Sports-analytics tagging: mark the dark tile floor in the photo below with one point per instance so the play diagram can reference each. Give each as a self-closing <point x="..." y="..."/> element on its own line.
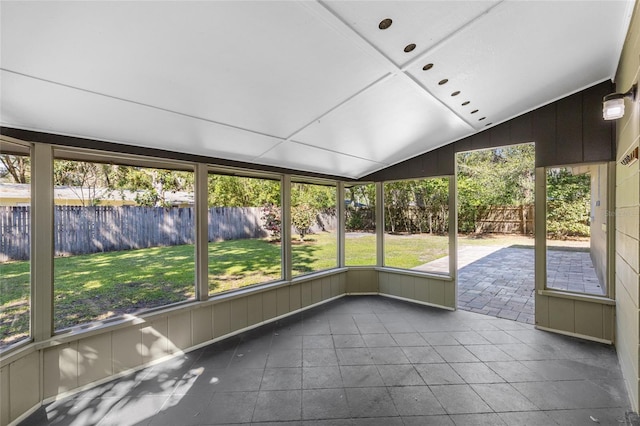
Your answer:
<point x="368" y="360"/>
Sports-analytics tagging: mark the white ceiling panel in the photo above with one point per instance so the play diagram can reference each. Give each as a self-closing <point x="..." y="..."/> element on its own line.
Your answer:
<point x="423" y="23"/>
<point x="304" y="157"/>
<point x="522" y="55"/>
<point x="404" y="120"/>
<point x="37" y="105"/>
<point x="270" y="67"/>
<point x="308" y="85"/>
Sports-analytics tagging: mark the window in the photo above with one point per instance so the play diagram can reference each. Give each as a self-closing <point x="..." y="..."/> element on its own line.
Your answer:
<point x="123" y="239"/>
<point x="244" y="232"/>
<point x="15" y="224"/>
<point x="577" y="228"/>
<point x="416" y="221"/>
<point x="360" y="225"/>
<point x="314" y="227"/>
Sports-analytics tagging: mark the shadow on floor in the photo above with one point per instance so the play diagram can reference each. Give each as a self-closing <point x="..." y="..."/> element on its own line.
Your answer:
<point x="367" y="360"/>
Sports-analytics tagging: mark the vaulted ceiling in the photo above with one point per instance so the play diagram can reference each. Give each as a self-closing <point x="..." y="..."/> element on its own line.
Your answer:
<point x="319" y="86"/>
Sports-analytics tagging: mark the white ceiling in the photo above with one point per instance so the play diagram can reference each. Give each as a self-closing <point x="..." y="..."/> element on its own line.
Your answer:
<point x="306" y="85"/>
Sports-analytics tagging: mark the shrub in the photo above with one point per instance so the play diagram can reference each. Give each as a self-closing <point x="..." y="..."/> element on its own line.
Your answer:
<point x="272" y="221"/>
<point x="302" y="218"/>
<point x="567" y="219"/>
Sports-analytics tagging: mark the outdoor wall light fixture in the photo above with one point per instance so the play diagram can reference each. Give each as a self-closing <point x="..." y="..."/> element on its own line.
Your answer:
<point x="613" y="104"/>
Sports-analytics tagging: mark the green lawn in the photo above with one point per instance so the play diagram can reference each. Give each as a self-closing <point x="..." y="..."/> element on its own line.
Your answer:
<point x="105" y="285"/>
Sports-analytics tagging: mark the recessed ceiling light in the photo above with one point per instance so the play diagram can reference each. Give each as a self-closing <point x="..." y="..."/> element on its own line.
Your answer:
<point x="443" y="81"/>
<point x="409" y="47"/>
<point x="456" y="93"/>
<point x="474" y="111"/>
<point x="465" y="103"/>
<point x="385" y="23"/>
<point x="481" y="118"/>
<point x="427" y="67"/>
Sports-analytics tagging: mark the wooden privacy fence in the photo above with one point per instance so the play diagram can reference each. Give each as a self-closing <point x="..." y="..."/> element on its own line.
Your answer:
<point x="506" y="220"/>
<point x="83" y="230"/>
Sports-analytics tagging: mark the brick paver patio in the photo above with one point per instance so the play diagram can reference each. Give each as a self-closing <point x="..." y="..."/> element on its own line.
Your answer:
<point x="499" y="281"/>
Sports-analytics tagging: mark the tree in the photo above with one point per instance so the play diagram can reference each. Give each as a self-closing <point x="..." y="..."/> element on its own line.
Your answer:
<point x="18" y="167"/>
<point x="302" y="218"/>
<point x="235" y="191"/>
<point x="88" y="181"/>
<point x="271" y="216"/>
<point x="493" y="177"/>
<point x="568" y="203"/>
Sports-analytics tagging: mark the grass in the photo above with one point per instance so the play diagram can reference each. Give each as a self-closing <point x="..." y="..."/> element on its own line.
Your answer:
<point x="100" y="286"/>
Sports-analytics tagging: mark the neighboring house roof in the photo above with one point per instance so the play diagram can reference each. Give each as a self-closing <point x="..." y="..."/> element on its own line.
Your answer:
<point x="19" y="193"/>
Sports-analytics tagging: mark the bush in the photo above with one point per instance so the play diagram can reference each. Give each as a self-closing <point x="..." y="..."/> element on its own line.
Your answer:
<point x="272" y="221"/>
<point x="567" y="219"/>
<point x="302" y="218"/>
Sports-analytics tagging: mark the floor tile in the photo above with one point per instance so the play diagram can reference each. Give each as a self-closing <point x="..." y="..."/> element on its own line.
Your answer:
<point x="415" y="401"/>
<point x="370" y="402"/>
<point x="354" y="356"/>
<point x="281" y="379"/>
<point x="377" y="421"/>
<point x="456" y="354"/>
<point x="400" y="375"/>
<point x="388" y="356"/>
<point x="324" y="404"/>
<point x="319" y="357"/>
<point x="488" y="353"/>
<point x="284" y="358"/>
<point x="476" y="372"/>
<point x="409" y="339"/>
<point x="440" y="339"/>
<point x="378" y="340"/>
<point x="607" y="416"/>
<point x="459" y="399"/>
<point x="357" y="376"/>
<point x="503" y="397"/>
<point x="323" y="341"/>
<point x="278" y="406"/>
<point x="185" y="410"/>
<point x="529" y="418"/>
<point x="348" y="341"/>
<point x="484" y="419"/>
<point x="438" y="374"/>
<point x="133" y="410"/>
<point x="444" y="420"/>
<point x="422" y="355"/>
<point x="230" y="407"/>
<point x="321" y="377"/>
<point x="568" y="395"/>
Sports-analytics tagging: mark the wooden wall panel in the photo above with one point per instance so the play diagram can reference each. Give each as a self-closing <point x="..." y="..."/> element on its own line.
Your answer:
<point x="5" y="404"/>
<point x="202" y="325"/>
<point x="569" y="134"/>
<point x="24" y="384"/>
<point x="93" y="366"/>
<point x="155" y="343"/>
<point x="178" y="339"/>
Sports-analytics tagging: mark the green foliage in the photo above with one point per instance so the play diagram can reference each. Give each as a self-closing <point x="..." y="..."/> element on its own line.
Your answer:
<point x="318" y="197"/>
<point x="494" y="177"/>
<point x="360" y="208"/>
<point x="417" y="206"/>
<point x="235" y="191"/>
<point x="272" y="220"/>
<point x="568" y="203"/>
<point x="303" y="217"/>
